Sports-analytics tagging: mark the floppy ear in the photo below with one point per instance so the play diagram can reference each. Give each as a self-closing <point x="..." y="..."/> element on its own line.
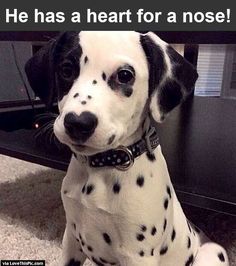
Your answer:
<point x="40" y="69"/>
<point x="40" y="73"/>
<point x="171" y="77"/>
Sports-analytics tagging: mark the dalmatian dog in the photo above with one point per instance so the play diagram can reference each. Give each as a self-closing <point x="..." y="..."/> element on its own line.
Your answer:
<point x="120" y="205"/>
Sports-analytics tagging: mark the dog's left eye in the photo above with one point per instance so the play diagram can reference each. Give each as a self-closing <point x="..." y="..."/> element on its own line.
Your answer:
<point x="67" y="70"/>
<point x="125" y="76"/>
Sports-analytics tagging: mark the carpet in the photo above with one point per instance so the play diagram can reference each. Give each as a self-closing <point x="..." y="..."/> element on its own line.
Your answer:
<point x="32" y="218"/>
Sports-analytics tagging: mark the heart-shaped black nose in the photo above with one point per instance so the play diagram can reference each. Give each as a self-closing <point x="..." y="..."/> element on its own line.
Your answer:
<point x="80" y="127"/>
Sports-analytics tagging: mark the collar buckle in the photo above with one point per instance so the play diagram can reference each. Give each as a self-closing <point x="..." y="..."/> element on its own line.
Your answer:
<point x="129" y="163"/>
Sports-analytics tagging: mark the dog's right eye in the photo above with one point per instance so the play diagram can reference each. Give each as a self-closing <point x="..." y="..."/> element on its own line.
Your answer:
<point x="66" y="71"/>
<point x="125" y="76"/>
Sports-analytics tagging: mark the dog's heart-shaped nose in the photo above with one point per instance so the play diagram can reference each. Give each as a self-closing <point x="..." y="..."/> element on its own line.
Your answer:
<point x="79" y="125"/>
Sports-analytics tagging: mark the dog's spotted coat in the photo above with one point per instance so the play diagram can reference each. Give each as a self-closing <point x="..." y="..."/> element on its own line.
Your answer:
<point x="106" y="84"/>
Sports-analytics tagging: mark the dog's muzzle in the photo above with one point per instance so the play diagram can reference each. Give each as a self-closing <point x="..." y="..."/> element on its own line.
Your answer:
<point x="80" y="127"/>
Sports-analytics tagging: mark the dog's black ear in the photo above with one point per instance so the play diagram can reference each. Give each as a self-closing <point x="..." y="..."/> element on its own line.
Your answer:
<point x="171" y="77"/>
<point x="40" y="69"/>
<point x="40" y="73"/>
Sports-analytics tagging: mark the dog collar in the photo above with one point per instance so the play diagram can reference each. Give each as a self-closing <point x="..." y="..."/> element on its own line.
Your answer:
<point x="122" y="158"/>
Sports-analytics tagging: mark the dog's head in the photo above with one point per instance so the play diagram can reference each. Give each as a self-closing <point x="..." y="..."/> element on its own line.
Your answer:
<point x="106" y="83"/>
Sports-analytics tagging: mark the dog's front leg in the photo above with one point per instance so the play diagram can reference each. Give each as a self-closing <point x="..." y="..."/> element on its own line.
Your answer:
<point x="72" y="254"/>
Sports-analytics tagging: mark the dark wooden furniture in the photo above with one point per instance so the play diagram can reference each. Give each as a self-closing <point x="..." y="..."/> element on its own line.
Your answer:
<point x="198" y="139"/>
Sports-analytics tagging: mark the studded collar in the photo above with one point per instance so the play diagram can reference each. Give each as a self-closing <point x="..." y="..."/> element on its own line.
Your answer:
<point x="122" y="158"/>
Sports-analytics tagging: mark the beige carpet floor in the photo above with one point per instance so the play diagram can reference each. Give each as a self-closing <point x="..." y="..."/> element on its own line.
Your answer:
<point x="32" y="218"/>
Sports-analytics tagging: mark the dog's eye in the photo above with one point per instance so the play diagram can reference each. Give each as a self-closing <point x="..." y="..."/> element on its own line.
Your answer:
<point x="125" y="76"/>
<point x="67" y="70"/>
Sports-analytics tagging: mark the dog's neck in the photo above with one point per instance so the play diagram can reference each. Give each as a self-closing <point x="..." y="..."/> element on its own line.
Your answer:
<point x="144" y="140"/>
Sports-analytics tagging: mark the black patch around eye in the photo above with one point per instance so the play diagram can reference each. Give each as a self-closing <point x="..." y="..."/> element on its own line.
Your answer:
<point x="170" y="95"/>
<point x="69" y="50"/>
<point x="128" y="91"/>
<point x="115" y="84"/>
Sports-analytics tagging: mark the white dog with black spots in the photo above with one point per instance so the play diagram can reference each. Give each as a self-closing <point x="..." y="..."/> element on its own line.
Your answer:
<point x="120" y="205"/>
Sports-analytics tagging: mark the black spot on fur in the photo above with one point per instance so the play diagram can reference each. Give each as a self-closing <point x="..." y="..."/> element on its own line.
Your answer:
<point x="90" y="188"/>
<point x="152" y="252"/>
<point x="164" y="225"/>
<point x="111" y="139"/>
<point x="80" y="248"/>
<point x="116" y="188"/>
<point x="104" y="77"/>
<point x="89" y="97"/>
<point x="90" y="248"/>
<point x="141" y="253"/>
<point x="97" y="262"/>
<point x="94" y="82"/>
<point x="221" y="257"/>
<point x="189" y="242"/>
<point x="173" y="235"/>
<point x="153" y="231"/>
<point x="143" y="228"/>
<point x="76" y="95"/>
<point x="75" y="154"/>
<point x="83" y="102"/>
<point x="189" y="261"/>
<point x="140" y="181"/>
<point x="107" y="238"/>
<point x="65" y="192"/>
<point x="151" y="157"/>
<point x="140" y="237"/>
<point x="85" y="59"/>
<point x="168" y="191"/>
<point x="73" y="262"/>
<point x="166" y="203"/>
<point x="163" y="250"/>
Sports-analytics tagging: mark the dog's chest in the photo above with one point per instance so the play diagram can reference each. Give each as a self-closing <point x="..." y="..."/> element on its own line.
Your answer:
<point x="129" y="207"/>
